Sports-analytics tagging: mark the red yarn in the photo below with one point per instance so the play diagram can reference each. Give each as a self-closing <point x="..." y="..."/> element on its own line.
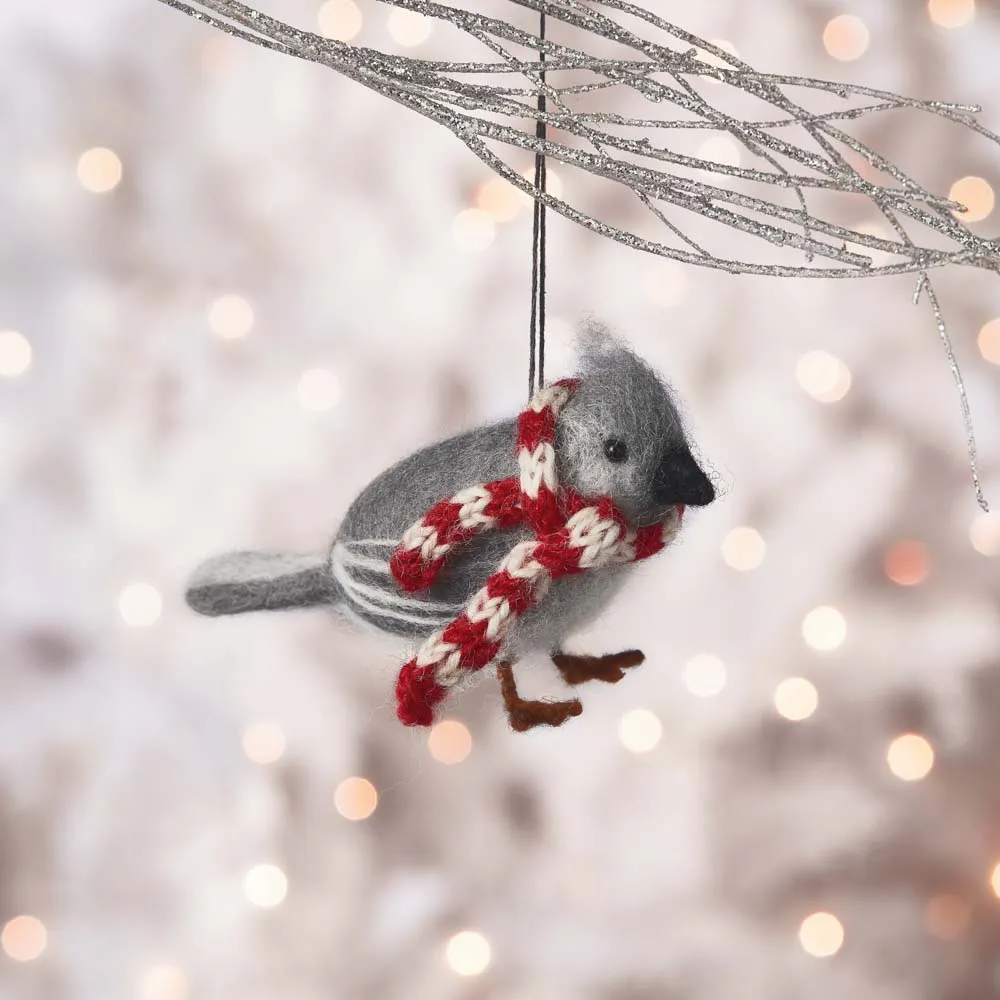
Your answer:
<point x="572" y="534"/>
<point x="417" y="695"/>
<point x="414" y="571"/>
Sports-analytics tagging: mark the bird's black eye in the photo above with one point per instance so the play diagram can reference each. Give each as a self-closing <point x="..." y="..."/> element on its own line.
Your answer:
<point x="616" y="450"/>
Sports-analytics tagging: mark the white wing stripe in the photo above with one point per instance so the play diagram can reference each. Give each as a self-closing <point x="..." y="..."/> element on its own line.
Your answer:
<point x="384" y="602"/>
<point x="356" y="561"/>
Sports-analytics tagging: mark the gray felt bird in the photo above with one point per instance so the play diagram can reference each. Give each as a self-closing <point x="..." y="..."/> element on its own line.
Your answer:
<point x="619" y="436"/>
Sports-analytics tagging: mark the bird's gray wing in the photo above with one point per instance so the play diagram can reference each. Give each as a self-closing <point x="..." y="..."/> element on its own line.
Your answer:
<point x="398" y="498"/>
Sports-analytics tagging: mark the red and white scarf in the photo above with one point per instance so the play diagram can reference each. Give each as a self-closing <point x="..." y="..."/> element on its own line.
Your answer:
<point x="573" y="534"/>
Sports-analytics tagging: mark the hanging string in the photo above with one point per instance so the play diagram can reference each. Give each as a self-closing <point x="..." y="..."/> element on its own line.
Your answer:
<point x="536" y="327"/>
<point x="490" y="121"/>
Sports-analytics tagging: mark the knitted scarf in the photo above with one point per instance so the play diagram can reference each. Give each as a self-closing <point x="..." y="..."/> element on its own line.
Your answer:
<point x="572" y="534"/>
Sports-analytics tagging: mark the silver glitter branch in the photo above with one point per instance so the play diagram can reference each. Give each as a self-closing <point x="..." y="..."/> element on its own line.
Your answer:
<point x="765" y="202"/>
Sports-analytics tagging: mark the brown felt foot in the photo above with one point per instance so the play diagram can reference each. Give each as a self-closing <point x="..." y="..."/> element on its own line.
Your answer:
<point x="524" y="714"/>
<point x="611" y="668"/>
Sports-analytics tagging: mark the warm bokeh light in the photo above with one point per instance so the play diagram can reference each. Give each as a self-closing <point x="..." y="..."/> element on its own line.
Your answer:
<point x="355" y="798"/>
<point x="553" y="183"/>
<point x="984" y="533"/>
<point x="473" y="230"/>
<point x="500" y="199"/>
<point x="319" y="389"/>
<point x="907" y="563"/>
<point x="264" y="742"/>
<point x="720" y="149"/>
<point x="639" y="730"/>
<point x="667" y="283"/>
<point x="15" y="353"/>
<point x="995" y="880"/>
<point x="989" y="341"/>
<point x="713" y="60"/>
<point x="824" y="628"/>
<point x="230" y="317"/>
<point x="163" y="982"/>
<point x="951" y="13"/>
<point x="796" y="699"/>
<point x="846" y="37"/>
<point x="468" y="953"/>
<point x="946" y="916"/>
<point x="743" y="548"/>
<point x="140" y="604"/>
<point x="704" y="675"/>
<point x="265" y="886"/>
<point x="821" y="935"/>
<point x="340" y="20"/>
<point x="825" y="377"/>
<point x="216" y="54"/>
<point x="976" y="194"/>
<point x="24" y="938"/>
<point x="449" y="742"/>
<point x="725" y="45"/>
<point x="910" y="757"/>
<point x="99" y="170"/>
<point x="408" y="27"/>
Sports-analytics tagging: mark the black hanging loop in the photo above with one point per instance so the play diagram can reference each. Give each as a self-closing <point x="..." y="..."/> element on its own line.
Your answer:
<point x="536" y="329"/>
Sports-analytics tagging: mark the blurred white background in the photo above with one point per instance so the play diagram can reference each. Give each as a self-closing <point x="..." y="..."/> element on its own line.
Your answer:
<point x="233" y="288"/>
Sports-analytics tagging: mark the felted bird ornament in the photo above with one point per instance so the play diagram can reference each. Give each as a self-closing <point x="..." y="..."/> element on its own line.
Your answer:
<point x="501" y="541"/>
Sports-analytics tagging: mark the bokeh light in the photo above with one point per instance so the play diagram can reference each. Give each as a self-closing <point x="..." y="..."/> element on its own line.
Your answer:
<point x="468" y="953"/>
<point x="984" y="533"/>
<point x="216" y="54"/>
<point x="910" y="757"/>
<point x="99" y="170"/>
<point x="500" y="199"/>
<point x="704" y="675"/>
<point x="24" y="938"/>
<point x="743" y="548"/>
<point x="951" y="13"/>
<point x="553" y="183"/>
<point x="720" y="149"/>
<point x="319" y="389"/>
<point x="946" y="915"/>
<point x="15" y="353"/>
<point x="826" y="378"/>
<point x="976" y="194"/>
<point x="340" y="20"/>
<point x="907" y="563"/>
<point x="796" y="699"/>
<point x="846" y="37"/>
<point x="163" y="982"/>
<point x="824" y="628"/>
<point x="473" y="230"/>
<point x="449" y="742"/>
<point x="230" y="317"/>
<point x="264" y="742"/>
<point x="989" y="341"/>
<point x="821" y="935"/>
<point x="639" y="730"/>
<point x="140" y="604"/>
<point x="355" y="798"/>
<point x="713" y="60"/>
<point x="408" y="27"/>
<point x="265" y="885"/>
<point x="995" y="880"/>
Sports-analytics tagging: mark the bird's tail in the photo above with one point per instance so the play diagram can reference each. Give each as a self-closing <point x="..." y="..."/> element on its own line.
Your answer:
<point x="260" y="581"/>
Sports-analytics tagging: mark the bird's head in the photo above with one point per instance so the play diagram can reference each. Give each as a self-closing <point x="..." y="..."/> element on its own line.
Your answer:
<point x="621" y="436"/>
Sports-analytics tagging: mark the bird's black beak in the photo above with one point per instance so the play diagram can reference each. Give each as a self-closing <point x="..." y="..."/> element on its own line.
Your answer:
<point x="679" y="479"/>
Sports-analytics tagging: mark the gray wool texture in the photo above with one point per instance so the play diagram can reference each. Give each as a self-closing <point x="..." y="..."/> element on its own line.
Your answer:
<point x="620" y="396"/>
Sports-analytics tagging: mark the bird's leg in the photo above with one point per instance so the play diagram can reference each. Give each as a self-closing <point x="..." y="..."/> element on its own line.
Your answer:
<point x="611" y="668"/>
<point x="523" y="714"/>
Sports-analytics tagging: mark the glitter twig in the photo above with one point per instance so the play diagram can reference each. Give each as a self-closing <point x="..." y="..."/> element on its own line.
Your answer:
<point x="722" y="215"/>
